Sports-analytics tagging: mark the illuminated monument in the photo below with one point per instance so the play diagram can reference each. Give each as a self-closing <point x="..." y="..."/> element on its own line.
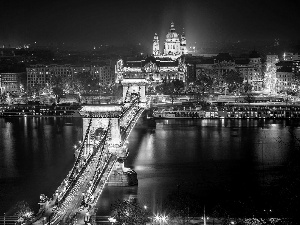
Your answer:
<point x="161" y="66"/>
<point x="174" y="46"/>
<point x="152" y="70"/>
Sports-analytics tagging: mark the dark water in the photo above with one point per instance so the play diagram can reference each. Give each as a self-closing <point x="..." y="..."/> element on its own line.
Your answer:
<point x="215" y="160"/>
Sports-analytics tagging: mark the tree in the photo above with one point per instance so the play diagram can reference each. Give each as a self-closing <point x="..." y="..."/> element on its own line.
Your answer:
<point x="219" y="212"/>
<point x="170" y="87"/>
<point x="36" y="88"/>
<point x="59" y="84"/>
<point x="178" y="85"/>
<point x="234" y="80"/>
<point x="150" y="90"/>
<point x="166" y="88"/>
<point x="182" y="205"/>
<point x="233" y="76"/>
<point x="84" y="82"/>
<point x="129" y="212"/>
<point x="81" y="83"/>
<point x="3" y="98"/>
<point x="117" y="90"/>
<point x="249" y="98"/>
<point x="23" y="212"/>
<point x="57" y="91"/>
<point x="247" y="87"/>
<point x="204" y="83"/>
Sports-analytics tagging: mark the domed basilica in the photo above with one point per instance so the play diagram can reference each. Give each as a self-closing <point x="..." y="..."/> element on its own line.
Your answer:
<point x="174" y="46"/>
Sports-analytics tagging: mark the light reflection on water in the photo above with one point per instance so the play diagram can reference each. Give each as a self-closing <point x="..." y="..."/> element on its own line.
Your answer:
<point x="9" y="167"/>
<point x="201" y="156"/>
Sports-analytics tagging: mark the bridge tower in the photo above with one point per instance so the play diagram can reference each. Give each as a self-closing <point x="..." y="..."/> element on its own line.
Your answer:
<point x="134" y="87"/>
<point x="96" y="119"/>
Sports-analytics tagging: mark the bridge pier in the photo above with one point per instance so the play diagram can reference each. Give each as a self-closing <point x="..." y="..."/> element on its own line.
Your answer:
<point x="121" y="175"/>
<point x="103" y="116"/>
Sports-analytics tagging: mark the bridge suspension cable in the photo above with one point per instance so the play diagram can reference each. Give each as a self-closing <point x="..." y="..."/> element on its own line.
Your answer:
<point x="86" y="180"/>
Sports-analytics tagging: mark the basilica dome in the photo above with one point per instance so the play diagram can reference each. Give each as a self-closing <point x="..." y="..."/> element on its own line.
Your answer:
<point x="172" y="34"/>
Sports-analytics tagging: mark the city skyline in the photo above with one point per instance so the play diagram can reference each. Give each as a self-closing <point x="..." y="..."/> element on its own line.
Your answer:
<point x="91" y="23"/>
<point x="166" y="127"/>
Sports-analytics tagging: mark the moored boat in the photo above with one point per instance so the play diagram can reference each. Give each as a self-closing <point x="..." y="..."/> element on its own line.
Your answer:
<point x="238" y="111"/>
<point x="164" y="113"/>
<point x="39" y="110"/>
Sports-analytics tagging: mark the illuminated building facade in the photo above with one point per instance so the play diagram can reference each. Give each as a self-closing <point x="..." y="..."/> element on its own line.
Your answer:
<point x="289" y="56"/>
<point x="286" y="72"/>
<point x="250" y="68"/>
<point x="11" y="82"/>
<point x="270" y="74"/>
<point x="284" y="79"/>
<point x="156" y="51"/>
<point x="252" y="71"/>
<point x="154" y="70"/>
<point x="41" y="74"/>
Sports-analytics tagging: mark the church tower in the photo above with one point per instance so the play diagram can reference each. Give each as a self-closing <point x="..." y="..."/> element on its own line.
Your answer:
<point x="183" y="44"/>
<point x="155" y="45"/>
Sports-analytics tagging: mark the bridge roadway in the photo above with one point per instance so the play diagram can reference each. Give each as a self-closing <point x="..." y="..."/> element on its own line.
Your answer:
<point x="75" y="199"/>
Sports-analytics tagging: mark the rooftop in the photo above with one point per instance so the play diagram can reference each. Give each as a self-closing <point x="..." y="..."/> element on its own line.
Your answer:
<point x="285" y="69"/>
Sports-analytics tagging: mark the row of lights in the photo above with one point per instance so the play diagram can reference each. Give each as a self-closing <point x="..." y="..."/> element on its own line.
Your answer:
<point x="92" y="186"/>
<point x="104" y="182"/>
<point x="74" y="190"/>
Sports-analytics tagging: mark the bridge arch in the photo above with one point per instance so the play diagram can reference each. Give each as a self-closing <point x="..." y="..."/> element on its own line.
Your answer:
<point x="133" y="87"/>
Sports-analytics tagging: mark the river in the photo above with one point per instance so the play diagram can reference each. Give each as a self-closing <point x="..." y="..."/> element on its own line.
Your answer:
<point x="215" y="159"/>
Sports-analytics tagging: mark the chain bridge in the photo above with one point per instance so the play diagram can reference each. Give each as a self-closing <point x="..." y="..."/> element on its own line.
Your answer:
<point x="99" y="158"/>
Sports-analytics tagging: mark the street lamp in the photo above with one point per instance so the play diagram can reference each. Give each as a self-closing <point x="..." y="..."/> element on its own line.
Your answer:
<point x="4" y="219"/>
<point x="86" y="218"/>
<point x="204" y="217"/>
<point x="44" y="219"/>
<point x="112" y="220"/>
<point x="161" y="219"/>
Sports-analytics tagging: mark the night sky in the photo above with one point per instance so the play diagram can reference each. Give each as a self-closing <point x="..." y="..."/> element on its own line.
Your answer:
<point x="92" y="23"/>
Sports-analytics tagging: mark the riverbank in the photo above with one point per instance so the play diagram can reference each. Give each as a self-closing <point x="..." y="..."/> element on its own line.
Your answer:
<point x="22" y="110"/>
<point x="230" y="110"/>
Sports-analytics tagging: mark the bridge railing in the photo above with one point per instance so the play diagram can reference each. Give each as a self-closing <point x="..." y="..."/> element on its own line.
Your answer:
<point x="81" y="149"/>
<point x="101" y="144"/>
<point x="102" y="178"/>
<point x="77" y="178"/>
<point x="67" y="182"/>
<point x="127" y="130"/>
